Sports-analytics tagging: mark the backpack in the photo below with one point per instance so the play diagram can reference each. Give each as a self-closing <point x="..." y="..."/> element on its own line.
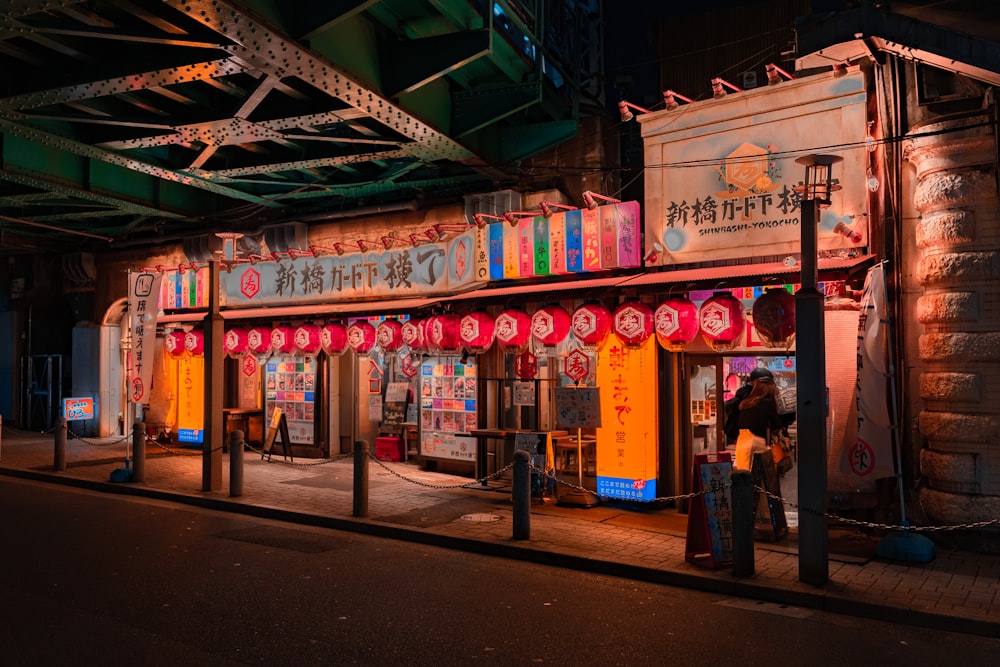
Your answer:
<point x="731" y="413"/>
<point x="731" y="419"/>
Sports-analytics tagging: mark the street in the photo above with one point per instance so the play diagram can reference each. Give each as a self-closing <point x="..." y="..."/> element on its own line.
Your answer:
<point x="94" y="578"/>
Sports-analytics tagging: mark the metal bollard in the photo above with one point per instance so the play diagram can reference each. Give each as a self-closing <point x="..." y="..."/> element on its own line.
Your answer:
<point x="138" y="451"/>
<point x="59" y="465"/>
<point x="235" y="463"/>
<point x="743" y="558"/>
<point x="521" y="495"/>
<point x="361" y="478"/>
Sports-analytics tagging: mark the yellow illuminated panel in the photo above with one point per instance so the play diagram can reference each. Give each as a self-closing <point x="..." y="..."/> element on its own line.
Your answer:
<point x="626" y="441"/>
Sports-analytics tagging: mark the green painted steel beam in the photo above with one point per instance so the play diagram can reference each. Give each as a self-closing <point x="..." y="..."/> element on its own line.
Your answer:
<point x="415" y="63"/>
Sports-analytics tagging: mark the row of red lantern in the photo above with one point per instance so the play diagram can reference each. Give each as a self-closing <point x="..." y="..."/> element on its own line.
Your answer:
<point x="676" y="322"/>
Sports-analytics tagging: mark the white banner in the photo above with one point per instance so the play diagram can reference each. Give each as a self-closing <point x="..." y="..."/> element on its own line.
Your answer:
<point x="871" y="457"/>
<point x="143" y="304"/>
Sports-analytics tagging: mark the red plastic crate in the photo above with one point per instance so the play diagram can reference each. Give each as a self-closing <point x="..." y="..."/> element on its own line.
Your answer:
<point x="389" y="448"/>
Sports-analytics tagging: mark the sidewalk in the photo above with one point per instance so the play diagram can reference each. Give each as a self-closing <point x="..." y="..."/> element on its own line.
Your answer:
<point x="957" y="591"/>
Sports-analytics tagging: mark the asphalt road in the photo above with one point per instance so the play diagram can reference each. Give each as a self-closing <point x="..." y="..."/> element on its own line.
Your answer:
<point x="92" y="578"/>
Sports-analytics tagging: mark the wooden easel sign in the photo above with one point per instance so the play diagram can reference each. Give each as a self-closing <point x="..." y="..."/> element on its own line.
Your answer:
<point x="710" y="520"/>
<point x="278" y="426"/>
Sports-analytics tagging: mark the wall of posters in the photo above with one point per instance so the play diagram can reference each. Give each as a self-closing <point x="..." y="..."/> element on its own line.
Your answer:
<point x="448" y="403"/>
<point x="290" y="384"/>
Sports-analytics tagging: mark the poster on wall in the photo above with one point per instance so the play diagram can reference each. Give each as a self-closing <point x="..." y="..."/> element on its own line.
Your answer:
<point x="290" y="384"/>
<point x="448" y="408"/>
<point x="626" y="439"/>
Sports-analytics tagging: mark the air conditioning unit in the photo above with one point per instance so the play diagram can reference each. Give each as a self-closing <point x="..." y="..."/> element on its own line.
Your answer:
<point x="493" y="203"/>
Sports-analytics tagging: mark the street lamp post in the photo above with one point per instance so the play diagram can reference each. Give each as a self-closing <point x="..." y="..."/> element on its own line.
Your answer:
<point x="810" y="355"/>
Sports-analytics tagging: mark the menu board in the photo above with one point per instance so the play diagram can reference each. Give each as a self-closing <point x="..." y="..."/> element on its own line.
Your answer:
<point x="290" y="384"/>
<point x="448" y="403"/>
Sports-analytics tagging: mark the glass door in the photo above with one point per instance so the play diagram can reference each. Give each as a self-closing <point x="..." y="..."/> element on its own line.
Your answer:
<point x="703" y="406"/>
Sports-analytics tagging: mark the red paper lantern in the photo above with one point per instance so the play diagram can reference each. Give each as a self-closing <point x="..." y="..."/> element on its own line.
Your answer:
<point x="194" y="342"/>
<point x="174" y="344"/>
<point x="389" y="335"/>
<point x="633" y="323"/>
<point x="550" y="325"/>
<point x="721" y="319"/>
<point x="236" y="343"/>
<point x="412" y="334"/>
<point x="333" y="338"/>
<point x="308" y="340"/>
<point x="591" y="324"/>
<point x="513" y="330"/>
<point x="442" y="333"/>
<point x="676" y="323"/>
<point x="774" y="317"/>
<point x="361" y="337"/>
<point x="282" y="339"/>
<point x="476" y="331"/>
<point x="259" y="341"/>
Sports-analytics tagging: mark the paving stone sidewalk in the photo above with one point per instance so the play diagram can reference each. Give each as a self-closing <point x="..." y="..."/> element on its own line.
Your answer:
<point x="958" y="590"/>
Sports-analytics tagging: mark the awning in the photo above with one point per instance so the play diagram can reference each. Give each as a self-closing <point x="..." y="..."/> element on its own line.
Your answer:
<point x="359" y="308"/>
<point x="829" y="268"/>
<point x="177" y="318"/>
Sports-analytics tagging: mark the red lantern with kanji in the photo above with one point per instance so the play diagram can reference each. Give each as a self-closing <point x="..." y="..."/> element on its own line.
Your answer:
<point x="442" y="333"/>
<point x="259" y="341"/>
<point x="412" y="334"/>
<point x="721" y="319"/>
<point x="389" y="335"/>
<point x="676" y="323"/>
<point x="361" y="337"/>
<point x="633" y="323"/>
<point x="774" y="317"/>
<point x="476" y="330"/>
<point x="283" y="339"/>
<point x="513" y="330"/>
<point x="550" y="325"/>
<point x="591" y="324"/>
<point x="194" y="342"/>
<point x="308" y="340"/>
<point x="333" y="338"/>
<point x="174" y="344"/>
<point x="235" y="342"/>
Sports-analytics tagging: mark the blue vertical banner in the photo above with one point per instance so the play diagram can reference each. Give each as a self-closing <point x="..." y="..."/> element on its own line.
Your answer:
<point x="574" y="241"/>
<point x="495" y="237"/>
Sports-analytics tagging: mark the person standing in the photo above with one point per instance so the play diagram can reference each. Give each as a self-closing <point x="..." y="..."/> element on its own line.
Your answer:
<point x="731" y="425"/>
<point x="758" y="416"/>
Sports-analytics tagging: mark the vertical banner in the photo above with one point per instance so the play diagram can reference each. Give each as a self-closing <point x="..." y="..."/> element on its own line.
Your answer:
<point x="591" y="240"/>
<point x="143" y="304"/>
<point x="496" y="241"/>
<point x="557" y="243"/>
<point x="609" y="236"/>
<point x="629" y="238"/>
<point x="526" y="246"/>
<point x="574" y="241"/>
<point x="511" y="265"/>
<point x="626" y="440"/>
<point x="871" y="456"/>
<point x="191" y="399"/>
<point x="543" y="266"/>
